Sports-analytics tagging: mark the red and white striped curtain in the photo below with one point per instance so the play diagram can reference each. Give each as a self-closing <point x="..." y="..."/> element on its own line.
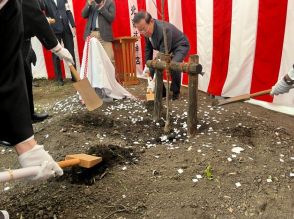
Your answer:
<point x="244" y="46"/>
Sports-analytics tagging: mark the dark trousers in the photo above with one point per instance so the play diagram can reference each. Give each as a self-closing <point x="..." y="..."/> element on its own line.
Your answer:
<point x="179" y="55"/>
<point x="67" y="39"/>
<point x="28" y="74"/>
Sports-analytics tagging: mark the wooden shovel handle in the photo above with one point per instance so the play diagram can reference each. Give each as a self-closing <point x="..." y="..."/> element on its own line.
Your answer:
<point x="68" y="163"/>
<point x="260" y="93"/>
<point x="74" y="72"/>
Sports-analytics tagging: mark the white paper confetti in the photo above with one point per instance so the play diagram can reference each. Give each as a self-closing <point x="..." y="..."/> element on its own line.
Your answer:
<point x="269" y="180"/>
<point x="6" y="188"/>
<point x="238" y="184"/>
<point x="237" y="150"/>
<point x="180" y="171"/>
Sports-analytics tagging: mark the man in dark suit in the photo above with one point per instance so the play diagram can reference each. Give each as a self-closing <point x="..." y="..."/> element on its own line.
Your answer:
<point x="100" y="15"/>
<point x="36" y="24"/>
<point x="16" y="126"/>
<point x="177" y="43"/>
<point x="60" y="11"/>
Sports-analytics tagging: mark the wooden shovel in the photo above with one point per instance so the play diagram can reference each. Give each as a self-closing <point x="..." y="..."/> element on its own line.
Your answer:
<point x="83" y="160"/>
<point x="88" y="94"/>
<point x="242" y="98"/>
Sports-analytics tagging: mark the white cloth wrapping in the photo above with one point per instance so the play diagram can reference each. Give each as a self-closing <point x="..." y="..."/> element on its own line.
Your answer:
<point x="97" y="67"/>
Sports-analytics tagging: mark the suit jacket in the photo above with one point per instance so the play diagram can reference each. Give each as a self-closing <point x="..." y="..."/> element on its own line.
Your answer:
<point x="36" y="24"/>
<point x="106" y="16"/>
<point x="15" y="118"/>
<point x="61" y="14"/>
<point x="175" y="39"/>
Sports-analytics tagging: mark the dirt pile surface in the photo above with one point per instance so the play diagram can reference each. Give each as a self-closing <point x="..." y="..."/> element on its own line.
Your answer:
<point x="149" y="174"/>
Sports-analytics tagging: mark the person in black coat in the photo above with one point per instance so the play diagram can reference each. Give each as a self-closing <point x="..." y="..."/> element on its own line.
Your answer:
<point x="36" y="24"/>
<point x="60" y="11"/>
<point x="15" y="119"/>
<point x="177" y="43"/>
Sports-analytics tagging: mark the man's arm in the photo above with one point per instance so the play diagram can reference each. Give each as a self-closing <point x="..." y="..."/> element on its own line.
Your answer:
<point x="148" y="50"/>
<point x="169" y="40"/>
<point x="36" y="24"/>
<point x="86" y="10"/>
<point x="109" y="12"/>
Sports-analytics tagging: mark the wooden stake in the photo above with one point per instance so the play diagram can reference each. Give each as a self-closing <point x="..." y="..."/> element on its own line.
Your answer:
<point x="193" y="96"/>
<point x="158" y="95"/>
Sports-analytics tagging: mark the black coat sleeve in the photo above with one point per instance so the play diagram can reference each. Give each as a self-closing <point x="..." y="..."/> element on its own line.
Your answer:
<point x="36" y="24"/>
<point x="148" y="50"/>
<point x="108" y="12"/>
<point x="42" y="4"/>
<point x="169" y="40"/>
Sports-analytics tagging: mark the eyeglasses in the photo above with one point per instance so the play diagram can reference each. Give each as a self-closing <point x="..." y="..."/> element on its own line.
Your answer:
<point x="145" y="30"/>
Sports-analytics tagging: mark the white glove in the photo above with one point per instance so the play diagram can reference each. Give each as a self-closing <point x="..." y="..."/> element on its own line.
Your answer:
<point x="146" y="70"/>
<point x="37" y="156"/>
<point x="281" y="86"/>
<point x="151" y="83"/>
<point x="63" y="53"/>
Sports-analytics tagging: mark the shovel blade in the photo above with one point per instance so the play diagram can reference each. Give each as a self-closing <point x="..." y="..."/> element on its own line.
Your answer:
<point x="234" y="99"/>
<point x="88" y="94"/>
<point x="150" y="96"/>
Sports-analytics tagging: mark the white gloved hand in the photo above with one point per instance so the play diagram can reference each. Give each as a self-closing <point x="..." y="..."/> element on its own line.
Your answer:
<point x="63" y="53"/>
<point x="146" y="70"/>
<point x="281" y="86"/>
<point x="151" y="83"/>
<point x="37" y="156"/>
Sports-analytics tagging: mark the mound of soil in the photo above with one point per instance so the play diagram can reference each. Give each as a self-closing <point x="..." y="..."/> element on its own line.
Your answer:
<point x="147" y="173"/>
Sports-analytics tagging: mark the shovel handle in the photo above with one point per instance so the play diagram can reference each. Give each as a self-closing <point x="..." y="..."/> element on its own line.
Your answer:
<point x="260" y="93"/>
<point x="9" y="175"/>
<point x="69" y="163"/>
<point x="74" y="72"/>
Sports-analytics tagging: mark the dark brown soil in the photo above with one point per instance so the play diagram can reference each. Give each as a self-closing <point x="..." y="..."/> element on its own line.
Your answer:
<point x="147" y="174"/>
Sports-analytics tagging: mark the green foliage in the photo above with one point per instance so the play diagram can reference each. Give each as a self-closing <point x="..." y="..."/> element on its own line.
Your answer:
<point x="208" y="172"/>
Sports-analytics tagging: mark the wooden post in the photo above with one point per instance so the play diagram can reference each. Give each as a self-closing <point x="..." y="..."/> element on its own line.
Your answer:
<point x="158" y="95"/>
<point x="193" y="96"/>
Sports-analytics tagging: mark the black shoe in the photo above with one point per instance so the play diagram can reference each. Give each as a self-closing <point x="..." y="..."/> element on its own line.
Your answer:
<point x="35" y="84"/>
<point x="175" y="96"/>
<point x="39" y="117"/>
<point x="60" y="82"/>
<point x="73" y="80"/>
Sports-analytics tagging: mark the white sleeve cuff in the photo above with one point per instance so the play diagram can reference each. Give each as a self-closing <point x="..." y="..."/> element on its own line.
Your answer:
<point x="30" y="138"/>
<point x="2" y="3"/>
<point x="291" y="73"/>
<point x="57" y="48"/>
